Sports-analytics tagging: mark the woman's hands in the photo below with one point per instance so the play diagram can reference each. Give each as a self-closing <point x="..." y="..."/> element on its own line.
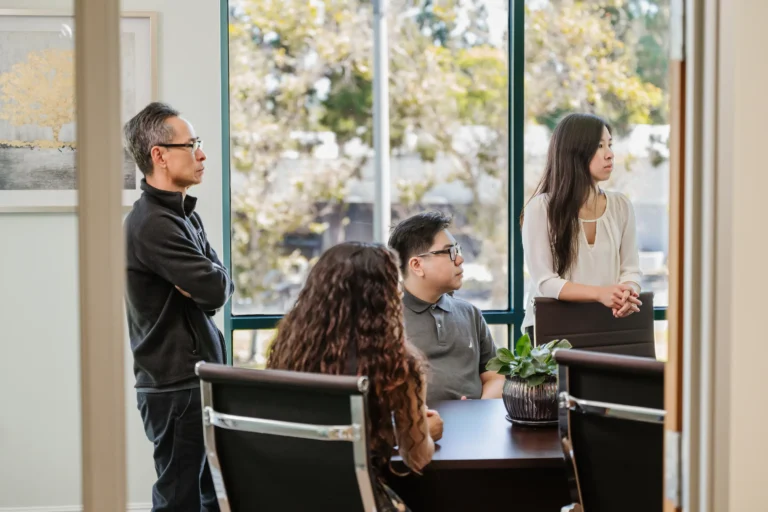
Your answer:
<point x="631" y="305"/>
<point x="621" y="298"/>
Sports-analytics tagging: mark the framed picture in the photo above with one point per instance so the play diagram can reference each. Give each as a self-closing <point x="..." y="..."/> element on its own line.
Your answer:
<point x="37" y="105"/>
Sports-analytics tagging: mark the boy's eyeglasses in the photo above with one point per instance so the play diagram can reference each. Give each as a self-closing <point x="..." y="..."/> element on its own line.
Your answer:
<point x="453" y="252"/>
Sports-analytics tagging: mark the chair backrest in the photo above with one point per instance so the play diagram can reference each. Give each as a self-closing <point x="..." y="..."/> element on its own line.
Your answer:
<point x="592" y="326"/>
<point x="278" y="440"/>
<point x="612" y="429"/>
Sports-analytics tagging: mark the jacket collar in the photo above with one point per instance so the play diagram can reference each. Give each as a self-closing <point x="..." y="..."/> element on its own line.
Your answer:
<point x="417" y="305"/>
<point x="176" y="201"/>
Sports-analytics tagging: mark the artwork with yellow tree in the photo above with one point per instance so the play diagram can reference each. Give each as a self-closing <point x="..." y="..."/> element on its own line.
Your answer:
<point x="38" y="132"/>
<point x="40" y="91"/>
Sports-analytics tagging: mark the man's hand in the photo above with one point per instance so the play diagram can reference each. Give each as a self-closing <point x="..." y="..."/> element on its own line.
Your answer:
<point x="186" y="294"/>
<point x="435" y="423"/>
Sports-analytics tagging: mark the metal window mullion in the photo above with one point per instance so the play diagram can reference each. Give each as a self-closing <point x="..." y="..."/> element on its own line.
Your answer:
<point x="226" y="170"/>
<point x="382" y="196"/>
<point x="516" y="181"/>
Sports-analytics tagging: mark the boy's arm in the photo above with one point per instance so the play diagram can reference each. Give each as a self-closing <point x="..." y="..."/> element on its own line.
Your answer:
<point x="493" y="384"/>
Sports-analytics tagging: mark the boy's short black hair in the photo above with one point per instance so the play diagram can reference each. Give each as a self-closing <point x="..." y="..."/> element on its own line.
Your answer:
<point x="416" y="234"/>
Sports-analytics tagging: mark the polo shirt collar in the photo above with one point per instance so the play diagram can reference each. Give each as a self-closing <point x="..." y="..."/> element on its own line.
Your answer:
<point x="417" y="305"/>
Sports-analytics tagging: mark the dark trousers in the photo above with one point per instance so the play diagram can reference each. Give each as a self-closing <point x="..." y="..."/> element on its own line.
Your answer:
<point x="173" y="422"/>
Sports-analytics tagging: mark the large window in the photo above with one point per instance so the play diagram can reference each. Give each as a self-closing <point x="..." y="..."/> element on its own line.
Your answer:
<point x="462" y="140"/>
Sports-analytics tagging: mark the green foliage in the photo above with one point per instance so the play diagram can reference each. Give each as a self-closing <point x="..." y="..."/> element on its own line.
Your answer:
<point x="533" y="364"/>
<point x="575" y="61"/>
<point x="348" y="106"/>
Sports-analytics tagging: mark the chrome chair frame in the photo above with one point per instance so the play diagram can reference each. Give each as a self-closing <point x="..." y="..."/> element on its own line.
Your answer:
<point x="354" y="433"/>
<point x="609" y="410"/>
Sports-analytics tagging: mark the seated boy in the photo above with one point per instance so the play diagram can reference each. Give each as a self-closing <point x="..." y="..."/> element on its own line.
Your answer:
<point x="451" y="332"/>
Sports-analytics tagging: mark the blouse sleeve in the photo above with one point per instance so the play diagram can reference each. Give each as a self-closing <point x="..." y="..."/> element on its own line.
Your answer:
<point x="628" y="252"/>
<point x="537" y="250"/>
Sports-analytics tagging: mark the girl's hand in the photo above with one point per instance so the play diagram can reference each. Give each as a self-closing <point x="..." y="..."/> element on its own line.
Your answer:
<point x="615" y="296"/>
<point x="631" y="305"/>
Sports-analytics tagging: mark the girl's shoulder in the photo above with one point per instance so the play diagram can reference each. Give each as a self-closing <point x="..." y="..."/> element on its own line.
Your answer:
<point x="536" y="207"/>
<point x="614" y="194"/>
<point x="538" y="201"/>
<point x="618" y="203"/>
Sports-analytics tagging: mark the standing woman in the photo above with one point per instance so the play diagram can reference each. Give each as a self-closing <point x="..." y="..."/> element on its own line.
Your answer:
<point x="580" y="241"/>
<point x="348" y="320"/>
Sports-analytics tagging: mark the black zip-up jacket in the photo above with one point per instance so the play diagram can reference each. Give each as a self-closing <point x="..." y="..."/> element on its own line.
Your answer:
<point x="166" y="247"/>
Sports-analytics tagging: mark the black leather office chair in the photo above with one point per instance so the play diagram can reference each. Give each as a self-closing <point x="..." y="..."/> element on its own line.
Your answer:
<point x="278" y="440"/>
<point x="612" y="429"/>
<point x="592" y="326"/>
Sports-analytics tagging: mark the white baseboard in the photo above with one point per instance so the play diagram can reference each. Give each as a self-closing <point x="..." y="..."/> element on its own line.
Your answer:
<point x="132" y="507"/>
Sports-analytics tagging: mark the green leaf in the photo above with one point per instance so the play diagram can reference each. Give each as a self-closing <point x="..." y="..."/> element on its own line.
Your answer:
<point x="552" y="345"/>
<point x="541" y="354"/>
<point x="494" y="365"/>
<point x="556" y="344"/>
<point x="539" y="366"/>
<point x="523" y="346"/>
<point x="506" y="370"/>
<point x="505" y="355"/>
<point x="526" y="369"/>
<point x="536" y="380"/>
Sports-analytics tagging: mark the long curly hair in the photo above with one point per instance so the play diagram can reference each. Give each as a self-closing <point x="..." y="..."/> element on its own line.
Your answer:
<point x="350" y="313"/>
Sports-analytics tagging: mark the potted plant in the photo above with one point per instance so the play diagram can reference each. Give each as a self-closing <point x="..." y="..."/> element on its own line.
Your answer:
<point x="530" y="389"/>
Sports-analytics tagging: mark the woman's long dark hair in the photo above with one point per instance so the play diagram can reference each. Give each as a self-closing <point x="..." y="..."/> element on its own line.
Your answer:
<point x="568" y="182"/>
<point x="351" y="310"/>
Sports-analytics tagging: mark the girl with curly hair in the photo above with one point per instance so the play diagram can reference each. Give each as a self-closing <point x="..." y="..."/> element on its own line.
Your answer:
<point x="348" y="319"/>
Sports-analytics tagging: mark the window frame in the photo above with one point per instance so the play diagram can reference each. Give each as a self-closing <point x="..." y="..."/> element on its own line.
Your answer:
<point x="513" y="316"/>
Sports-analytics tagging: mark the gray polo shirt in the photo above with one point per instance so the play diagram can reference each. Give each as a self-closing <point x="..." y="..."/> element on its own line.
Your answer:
<point x="455" y="339"/>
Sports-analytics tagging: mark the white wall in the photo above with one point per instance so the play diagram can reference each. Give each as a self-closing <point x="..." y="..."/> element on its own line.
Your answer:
<point x="39" y="324"/>
<point x="743" y="163"/>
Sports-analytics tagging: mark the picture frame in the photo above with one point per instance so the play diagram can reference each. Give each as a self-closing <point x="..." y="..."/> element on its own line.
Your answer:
<point x="37" y="126"/>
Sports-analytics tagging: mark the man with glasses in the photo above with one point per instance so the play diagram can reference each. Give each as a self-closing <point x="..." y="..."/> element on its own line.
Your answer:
<point x="175" y="283"/>
<point x="451" y="332"/>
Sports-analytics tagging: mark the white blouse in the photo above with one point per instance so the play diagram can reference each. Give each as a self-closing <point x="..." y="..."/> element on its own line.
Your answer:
<point x="612" y="259"/>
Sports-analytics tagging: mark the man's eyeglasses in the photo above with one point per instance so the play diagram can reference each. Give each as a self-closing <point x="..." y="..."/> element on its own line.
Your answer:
<point x="453" y="252"/>
<point x="195" y="145"/>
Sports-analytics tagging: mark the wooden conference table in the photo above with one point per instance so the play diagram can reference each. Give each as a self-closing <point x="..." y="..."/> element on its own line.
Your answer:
<point x="484" y="461"/>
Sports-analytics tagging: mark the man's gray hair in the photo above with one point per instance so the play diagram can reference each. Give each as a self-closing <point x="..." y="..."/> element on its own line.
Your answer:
<point x="146" y="130"/>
